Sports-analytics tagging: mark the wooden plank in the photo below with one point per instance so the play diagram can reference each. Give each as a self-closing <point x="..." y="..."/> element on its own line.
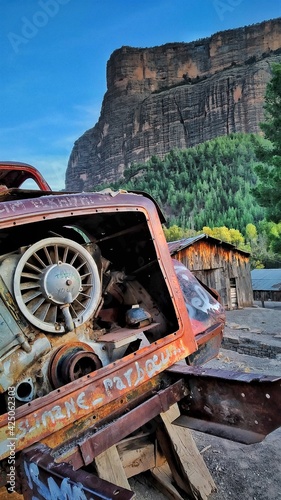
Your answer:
<point x="4" y="495"/>
<point x="137" y="457"/>
<point x="187" y="465"/>
<point x="164" y="482"/>
<point x="139" y="454"/>
<point x="109" y="467"/>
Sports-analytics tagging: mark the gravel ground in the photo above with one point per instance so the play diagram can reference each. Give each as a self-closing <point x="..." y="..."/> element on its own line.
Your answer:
<point x="241" y="472"/>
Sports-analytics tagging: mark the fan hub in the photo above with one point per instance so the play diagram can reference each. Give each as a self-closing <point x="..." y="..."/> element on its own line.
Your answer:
<point x="60" y="283"/>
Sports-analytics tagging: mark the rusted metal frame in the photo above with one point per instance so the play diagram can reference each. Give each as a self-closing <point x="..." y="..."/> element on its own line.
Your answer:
<point x="104" y="438"/>
<point x="64" y="443"/>
<point x="243" y="407"/>
<point x="31" y="173"/>
<point x="72" y="205"/>
<point x="44" y="479"/>
<point x="53" y="412"/>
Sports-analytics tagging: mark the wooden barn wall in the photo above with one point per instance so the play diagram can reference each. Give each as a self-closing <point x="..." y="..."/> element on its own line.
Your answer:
<point x="218" y="267"/>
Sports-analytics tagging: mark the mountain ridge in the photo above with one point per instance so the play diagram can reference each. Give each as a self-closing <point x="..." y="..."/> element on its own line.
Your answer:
<point x="176" y="95"/>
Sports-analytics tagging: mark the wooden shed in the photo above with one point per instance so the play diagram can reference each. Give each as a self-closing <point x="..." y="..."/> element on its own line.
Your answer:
<point x="219" y="265"/>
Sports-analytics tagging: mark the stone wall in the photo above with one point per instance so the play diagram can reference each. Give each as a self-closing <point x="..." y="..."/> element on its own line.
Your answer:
<point x="264" y="348"/>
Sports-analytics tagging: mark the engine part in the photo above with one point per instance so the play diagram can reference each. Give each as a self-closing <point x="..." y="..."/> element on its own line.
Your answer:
<point x="19" y="361"/>
<point x="57" y="285"/>
<point x="13" y="328"/>
<point x="24" y="391"/>
<point x="70" y="362"/>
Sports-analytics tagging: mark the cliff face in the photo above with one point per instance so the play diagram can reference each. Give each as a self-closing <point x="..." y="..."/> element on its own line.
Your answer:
<point x="176" y="96"/>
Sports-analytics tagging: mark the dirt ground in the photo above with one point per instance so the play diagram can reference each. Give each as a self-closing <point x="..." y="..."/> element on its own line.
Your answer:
<point x="241" y="472"/>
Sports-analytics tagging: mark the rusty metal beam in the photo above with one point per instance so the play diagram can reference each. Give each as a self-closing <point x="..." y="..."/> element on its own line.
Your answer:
<point x="243" y="407"/>
<point x="104" y="438"/>
<point x="43" y="479"/>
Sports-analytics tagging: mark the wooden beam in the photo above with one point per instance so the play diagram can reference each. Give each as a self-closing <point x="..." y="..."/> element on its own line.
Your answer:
<point x="109" y="467"/>
<point x="137" y="454"/>
<point x="163" y="480"/>
<point x="187" y="465"/>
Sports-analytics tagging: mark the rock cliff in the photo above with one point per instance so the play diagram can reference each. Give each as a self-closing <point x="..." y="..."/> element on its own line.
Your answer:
<point x="175" y="96"/>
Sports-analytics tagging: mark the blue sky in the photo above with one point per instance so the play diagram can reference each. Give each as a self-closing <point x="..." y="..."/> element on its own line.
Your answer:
<point x="53" y="62"/>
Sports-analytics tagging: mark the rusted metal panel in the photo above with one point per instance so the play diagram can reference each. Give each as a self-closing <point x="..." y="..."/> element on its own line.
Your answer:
<point x="61" y="205"/>
<point x="209" y="344"/>
<point x="69" y="436"/>
<point x="67" y="404"/>
<point x="243" y="407"/>
<point x="44" y="479"/>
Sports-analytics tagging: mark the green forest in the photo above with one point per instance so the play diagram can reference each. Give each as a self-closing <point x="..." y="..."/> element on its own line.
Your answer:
<point x="208" y="188"/>
<point x="207" y="185"/>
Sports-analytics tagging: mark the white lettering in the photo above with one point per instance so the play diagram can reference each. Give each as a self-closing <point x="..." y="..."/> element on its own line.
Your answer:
<point x="140" y="374"/>
<point x="46" y="415"/>
<point x="70" y="407"/>
<point x="54" y="491"/>
<point x="127" y="376"/>
<point x="108" y="384"/>
<point x="81" y="401"/>
<point x="118" y="383"/>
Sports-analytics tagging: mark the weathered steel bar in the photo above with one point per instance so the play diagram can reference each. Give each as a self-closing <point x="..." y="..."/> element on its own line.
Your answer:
<point x="243" y="407"/>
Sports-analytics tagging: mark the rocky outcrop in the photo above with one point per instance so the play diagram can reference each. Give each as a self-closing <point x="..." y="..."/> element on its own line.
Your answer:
<point x="175" y="96"/>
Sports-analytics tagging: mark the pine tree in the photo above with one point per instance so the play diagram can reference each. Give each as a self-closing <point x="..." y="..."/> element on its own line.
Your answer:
<point x="268" y="189"/>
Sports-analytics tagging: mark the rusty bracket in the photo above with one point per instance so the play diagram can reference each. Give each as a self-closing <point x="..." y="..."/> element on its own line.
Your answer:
<point x="243" y="407"/>
<point x="44" y="479"/>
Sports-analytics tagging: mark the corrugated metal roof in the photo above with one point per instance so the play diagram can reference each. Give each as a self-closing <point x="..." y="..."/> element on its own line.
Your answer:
<point x="266" y="279"/>
<point x="177" y="246"/>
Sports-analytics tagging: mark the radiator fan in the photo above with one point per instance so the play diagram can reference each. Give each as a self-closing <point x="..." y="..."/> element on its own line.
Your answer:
<point x="57" y="285"/>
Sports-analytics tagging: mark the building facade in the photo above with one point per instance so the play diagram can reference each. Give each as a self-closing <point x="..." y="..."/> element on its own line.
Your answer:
<point x="218" y="265"/>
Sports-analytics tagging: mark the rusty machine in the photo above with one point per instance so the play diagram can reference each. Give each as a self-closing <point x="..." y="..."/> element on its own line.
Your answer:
<point x="100" y="332"/>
